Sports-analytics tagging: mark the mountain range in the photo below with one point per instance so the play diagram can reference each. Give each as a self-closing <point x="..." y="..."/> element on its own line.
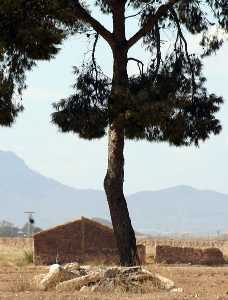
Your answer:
<point x="180" y="209"/>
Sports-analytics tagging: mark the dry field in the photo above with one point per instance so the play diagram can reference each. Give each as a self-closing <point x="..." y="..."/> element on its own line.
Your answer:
<point x="16" y="273"/>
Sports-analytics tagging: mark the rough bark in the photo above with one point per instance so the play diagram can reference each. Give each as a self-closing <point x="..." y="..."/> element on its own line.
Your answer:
<point x="124" y="233"/>
<point x="113" y="183"/>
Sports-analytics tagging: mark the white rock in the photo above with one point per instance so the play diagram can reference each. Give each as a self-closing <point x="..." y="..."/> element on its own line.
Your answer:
<point x="177" y="290"/>
<point x="56" y="274"/>
<point x="78" y="283"/>
<point x="54" y="268"/>
<point x="166" y="283"/>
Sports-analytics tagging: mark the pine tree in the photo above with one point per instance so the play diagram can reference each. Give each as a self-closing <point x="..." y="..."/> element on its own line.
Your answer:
<point x="29" y="31"/>
<point x="166" y="102"/>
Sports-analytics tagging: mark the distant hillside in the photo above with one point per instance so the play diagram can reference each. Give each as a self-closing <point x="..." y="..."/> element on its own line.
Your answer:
<point x="178" y="209"/>
<point x="22" y="189"/>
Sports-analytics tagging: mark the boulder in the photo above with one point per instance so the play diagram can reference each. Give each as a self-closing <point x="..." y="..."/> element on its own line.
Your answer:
<point x="55" y="275"/>
<point x="78" y="283"/>
<point x="72" y="267"/>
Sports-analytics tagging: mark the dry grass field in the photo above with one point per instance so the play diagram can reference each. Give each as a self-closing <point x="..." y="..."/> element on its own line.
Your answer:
<point x="197" y="282"/>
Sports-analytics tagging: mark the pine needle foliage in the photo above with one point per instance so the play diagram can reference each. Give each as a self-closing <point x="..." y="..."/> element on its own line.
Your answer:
<point x="168" y="101"/>
<point x="29" y="31"/>
<point x="164" y="103"/>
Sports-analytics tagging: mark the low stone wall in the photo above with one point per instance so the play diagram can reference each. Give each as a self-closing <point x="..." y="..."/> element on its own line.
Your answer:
<point x="151" y="244"/>
<point x="196" y="256"/>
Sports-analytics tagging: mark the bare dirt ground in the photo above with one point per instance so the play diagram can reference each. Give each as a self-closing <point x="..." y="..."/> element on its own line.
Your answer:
<point x="205" y="283"/>
<point x="197" y="282"/>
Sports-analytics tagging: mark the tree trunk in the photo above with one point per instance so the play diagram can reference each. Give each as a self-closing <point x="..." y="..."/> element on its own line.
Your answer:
<point x="113" y="183"/>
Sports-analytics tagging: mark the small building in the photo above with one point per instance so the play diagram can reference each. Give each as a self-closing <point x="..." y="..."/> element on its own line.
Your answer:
<point x="81" y="240"/>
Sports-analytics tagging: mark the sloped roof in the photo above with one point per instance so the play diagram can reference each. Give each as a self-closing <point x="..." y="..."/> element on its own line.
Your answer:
<point x="94" y="223"/>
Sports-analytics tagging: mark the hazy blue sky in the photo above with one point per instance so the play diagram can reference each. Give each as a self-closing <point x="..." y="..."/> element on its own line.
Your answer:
<point x="82" y="164"/>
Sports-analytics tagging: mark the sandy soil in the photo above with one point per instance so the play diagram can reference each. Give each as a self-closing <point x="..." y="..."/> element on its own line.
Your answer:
<point x="205" y="283"/>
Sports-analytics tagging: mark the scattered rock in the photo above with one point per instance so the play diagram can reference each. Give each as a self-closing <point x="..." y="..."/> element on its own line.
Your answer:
<point x="176" y="290"/>
<point x="87" y="268"/>
<point x="111" y="272"/>
<point x="85" y="289"/>
<point x="166" y="283"/>
<point x="56" y="274"/>
<point x="82" y="272"/>
<point x="78" y="283"/>
<point x="54" y="268"/>
<point x="128" y="270"/>
<point x="72" y="267"/>
<point x="73" y="277"/>
<point x="141" y="277"/>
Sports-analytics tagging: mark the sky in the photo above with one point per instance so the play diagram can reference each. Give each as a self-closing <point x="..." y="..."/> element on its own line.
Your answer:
<point x="82" y="164"/>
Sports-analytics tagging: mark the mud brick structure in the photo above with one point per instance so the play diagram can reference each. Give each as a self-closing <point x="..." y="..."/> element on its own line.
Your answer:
<point x="186" y="255"/>
<point x="82" y="240"/>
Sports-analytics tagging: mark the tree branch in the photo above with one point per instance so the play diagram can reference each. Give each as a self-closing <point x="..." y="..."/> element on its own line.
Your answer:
<point x="83" y="15"/>
<point x="151" y="22"/>
<point x="180" y="33"/>
<point x="158" y="46"/>
<point x="139" y="62"/>
<point x="135" y="15"/>
<point x="94" y="60"/>
<point x="139" y="12"/>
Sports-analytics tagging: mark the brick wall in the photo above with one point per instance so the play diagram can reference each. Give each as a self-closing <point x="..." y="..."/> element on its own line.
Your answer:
<point x="172" y="255"/>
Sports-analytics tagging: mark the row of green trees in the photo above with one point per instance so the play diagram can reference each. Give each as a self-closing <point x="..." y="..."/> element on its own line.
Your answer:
<point x="167" y="101"/>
